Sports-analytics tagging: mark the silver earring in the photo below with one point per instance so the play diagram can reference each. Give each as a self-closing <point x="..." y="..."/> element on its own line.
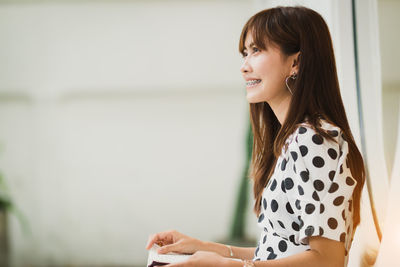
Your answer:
<point x="293" y="76"/>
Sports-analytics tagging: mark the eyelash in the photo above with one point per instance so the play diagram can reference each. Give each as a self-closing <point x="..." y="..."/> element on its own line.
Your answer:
<point x="245" y="55"/>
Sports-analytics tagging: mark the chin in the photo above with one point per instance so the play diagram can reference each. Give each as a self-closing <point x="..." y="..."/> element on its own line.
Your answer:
<point x="254" y="99"/>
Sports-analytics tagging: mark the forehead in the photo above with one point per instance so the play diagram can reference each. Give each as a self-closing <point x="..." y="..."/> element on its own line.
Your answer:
<point x="248" y="42"/>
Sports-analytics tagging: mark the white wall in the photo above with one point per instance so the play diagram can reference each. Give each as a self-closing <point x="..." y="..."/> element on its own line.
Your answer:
<point x="119" y="120"/>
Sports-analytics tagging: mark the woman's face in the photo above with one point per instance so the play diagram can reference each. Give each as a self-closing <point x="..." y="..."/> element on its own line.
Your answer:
<point x="265" y="72"/>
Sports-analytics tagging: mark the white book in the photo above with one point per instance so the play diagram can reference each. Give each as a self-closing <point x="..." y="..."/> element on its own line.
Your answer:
<point x="155" y="259"/>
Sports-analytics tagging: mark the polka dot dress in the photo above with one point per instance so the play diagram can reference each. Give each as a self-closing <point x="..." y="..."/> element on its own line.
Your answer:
<point x="309" y="194"/>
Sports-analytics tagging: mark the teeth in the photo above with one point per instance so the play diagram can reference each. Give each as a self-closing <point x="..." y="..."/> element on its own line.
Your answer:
<point x="253" y="82"/>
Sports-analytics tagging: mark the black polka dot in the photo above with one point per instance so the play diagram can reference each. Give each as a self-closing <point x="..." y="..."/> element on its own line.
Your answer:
<point x="289" y="183"/>
<point x="332" y="153"/>
<point x="303" y="150"/>
<point x="309" y="230"/>
<point x="321" y="231"/>
<point x="310" y="208"/>
<point x="315" y="196"/>
<point x="264" y="239"/>
<point x="294" y="168"/>
<point x="291" y="239"/>
<point x="294" y="155"/>
<point x="261" y="217"/>
<point x="295" y="226"/>
<point x="338" y="201"/>
<point x="332" y="175"/>
<point x="289" y="208"/>
<point x="273" y="185"/>
<point x="302" y="130"/>
<point x="321" y="208"/>
<point x="272" y="225"/>
<point x="333" y="133"/>
<point x="297" y="204"/>
<point x="343" y="215"/>
<point x="281" y="224"/>
<point x="283" y="186"/>
<point x="318" y="162"/>
<point x="265" y="203"/>
<point x="274" y="205"/>
<point x="301" y="221"/>
<point x="342" y="237"/>
<point x="301" y="191"/>
<point x="271" y="256"/>
<point x="304" y="176"/>
<point x="256" y="252"/>
<point x="333" y="188"/>
<point x="344" y="137"/>
<point x="282" y="245"/>
<point x="317" y="139"/>
<point x="332" y="222"/>
<point x="318" y="185"/>
<point x="341" y="168"/>
<point x="283" y="166"/>
<point x="349" y="181"/>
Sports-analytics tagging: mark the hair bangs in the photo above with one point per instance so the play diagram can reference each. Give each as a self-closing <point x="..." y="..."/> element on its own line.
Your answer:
<point x="257" y="28"/>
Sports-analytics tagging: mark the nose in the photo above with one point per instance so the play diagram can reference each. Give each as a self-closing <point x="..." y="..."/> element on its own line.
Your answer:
<point x="245" y="67"/>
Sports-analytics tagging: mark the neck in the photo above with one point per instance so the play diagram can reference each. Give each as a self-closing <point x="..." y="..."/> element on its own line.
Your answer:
<point x="281" y="108"/>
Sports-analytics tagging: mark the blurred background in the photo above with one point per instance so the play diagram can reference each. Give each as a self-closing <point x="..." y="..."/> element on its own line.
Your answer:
<point x="120" y="119"/>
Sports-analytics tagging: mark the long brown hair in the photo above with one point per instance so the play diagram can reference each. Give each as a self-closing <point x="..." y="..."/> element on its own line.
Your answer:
<point x="316" y="92"/>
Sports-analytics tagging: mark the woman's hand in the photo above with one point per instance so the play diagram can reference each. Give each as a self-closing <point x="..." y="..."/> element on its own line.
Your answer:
<point x="173" y="241"/>
<point x="201" y="259"/>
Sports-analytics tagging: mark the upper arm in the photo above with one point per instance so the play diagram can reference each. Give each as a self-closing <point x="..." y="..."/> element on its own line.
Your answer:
<point x="331" y="251"/>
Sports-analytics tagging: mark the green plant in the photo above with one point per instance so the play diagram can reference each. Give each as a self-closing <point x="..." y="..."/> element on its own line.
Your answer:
<point x="8" y="206"/>
<point x="5" y="200"/>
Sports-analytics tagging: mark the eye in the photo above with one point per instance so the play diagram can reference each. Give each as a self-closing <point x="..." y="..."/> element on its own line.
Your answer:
<point x="255" y="49"/>
<point x="244" y="54"/>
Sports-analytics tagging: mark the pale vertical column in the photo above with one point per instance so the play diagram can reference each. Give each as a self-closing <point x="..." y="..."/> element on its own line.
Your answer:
<point x="390" y="246"/>
<point x="371" y="95"/>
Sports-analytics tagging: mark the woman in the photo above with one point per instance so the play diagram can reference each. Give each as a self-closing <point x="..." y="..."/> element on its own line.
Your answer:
<point x="307" y="170"/>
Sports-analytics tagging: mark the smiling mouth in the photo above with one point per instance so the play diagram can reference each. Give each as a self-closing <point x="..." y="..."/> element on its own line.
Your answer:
<point x="252" y="83"/>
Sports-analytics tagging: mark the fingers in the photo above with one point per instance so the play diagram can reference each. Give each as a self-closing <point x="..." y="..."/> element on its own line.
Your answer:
<point x="169" y="248"/>
<point x="175" y="265"/>
<point x="161" y="239"/>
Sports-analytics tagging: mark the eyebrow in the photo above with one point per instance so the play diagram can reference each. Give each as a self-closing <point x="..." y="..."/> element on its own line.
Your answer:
<point x="251" y="45"/>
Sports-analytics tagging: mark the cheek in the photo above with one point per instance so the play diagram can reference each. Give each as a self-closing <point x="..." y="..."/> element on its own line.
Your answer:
<point x="268" y="68"/>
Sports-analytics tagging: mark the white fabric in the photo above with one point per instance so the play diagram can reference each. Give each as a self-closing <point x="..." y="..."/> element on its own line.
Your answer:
<point x="309" y="194"/>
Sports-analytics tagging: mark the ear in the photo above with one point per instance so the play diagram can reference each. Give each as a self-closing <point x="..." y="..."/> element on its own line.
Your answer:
<point x="296" y="62"/>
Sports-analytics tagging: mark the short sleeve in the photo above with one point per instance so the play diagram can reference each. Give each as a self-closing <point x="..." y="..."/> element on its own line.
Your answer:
<point x="323" y="183"/>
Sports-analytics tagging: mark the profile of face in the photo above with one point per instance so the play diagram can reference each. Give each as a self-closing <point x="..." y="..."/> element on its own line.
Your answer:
<point x="265" y="72"/>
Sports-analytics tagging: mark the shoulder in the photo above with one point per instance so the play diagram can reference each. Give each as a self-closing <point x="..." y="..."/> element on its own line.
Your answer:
<point x="320" y="161"/>
<point x="318" y="151"/>
<point x="306" y="134"/>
